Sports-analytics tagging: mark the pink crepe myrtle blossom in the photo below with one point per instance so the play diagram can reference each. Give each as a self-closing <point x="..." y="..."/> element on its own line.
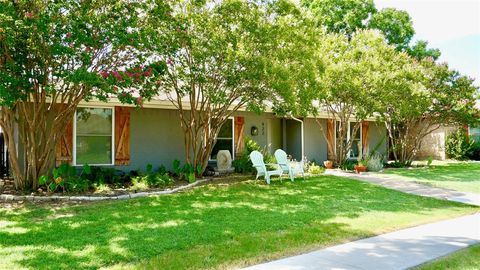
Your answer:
<point x="116" y="75"/>
<point x="140" y="101"/>
<point x="70" y="45"/>
<point x="29" y="14"/>
<point x="69" y="34"/>
<point x="169" y="61"/>
<point x="104" y="74"/>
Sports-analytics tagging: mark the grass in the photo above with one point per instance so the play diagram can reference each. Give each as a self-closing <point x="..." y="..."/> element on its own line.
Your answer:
<point x="465" y="259"/>
<point x="463" y="176"/>
<point x="213" y="226"/>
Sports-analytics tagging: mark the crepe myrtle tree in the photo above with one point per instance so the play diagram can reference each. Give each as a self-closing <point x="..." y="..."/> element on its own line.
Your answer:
<point x="55" y="54"/>
<point x="223" y="54"/>
<point x="347" y="84"/>
<point x="420" y="98"/>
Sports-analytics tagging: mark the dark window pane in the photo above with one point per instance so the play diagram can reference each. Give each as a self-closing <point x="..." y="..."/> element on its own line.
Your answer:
<point x="226" y="129"/>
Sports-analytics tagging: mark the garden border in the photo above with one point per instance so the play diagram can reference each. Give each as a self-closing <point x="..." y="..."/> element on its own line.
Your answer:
<point x="36" y="198"/>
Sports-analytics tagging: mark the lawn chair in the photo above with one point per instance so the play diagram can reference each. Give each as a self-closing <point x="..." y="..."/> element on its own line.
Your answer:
<point x="257" y="161"/>
<point x="286" y="166"/>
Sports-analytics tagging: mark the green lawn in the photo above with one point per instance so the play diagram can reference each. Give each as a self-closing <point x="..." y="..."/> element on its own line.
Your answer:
<point x="214" y="226"/>
<point x="465" y="259"/>
<point x="457" y="176"/>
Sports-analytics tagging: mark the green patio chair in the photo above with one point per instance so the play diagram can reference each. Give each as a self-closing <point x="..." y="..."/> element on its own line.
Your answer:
<point x="286" y="166"/>
<point x="257" y="161"/>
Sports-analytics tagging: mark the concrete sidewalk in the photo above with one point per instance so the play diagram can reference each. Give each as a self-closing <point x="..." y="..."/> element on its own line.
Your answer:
<point x="397" y="250"/>
<point x="412" y="187"/>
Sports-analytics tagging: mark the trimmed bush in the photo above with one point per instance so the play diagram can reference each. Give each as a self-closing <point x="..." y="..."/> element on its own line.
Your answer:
<point x="457" y="145"/>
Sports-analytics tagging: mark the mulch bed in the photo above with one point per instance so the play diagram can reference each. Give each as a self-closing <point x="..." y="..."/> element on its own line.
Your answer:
<point x="60" y="199"/>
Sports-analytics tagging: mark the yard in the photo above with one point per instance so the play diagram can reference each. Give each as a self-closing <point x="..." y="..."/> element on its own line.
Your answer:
<point x="213" y="226"/>
<point x="464" y="176"/>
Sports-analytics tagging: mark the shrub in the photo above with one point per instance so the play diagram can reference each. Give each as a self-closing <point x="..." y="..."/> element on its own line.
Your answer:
<point x="242" y="163"/>
<point x="375" y="163"/>
<point x="348" y="165"/>
<point x="315" y="169"/>
<point x="151" y="179"/>
<point x="457" y="145"/>
<point x="187" y="171"/>
<point x="474" y="152"/>
<point x="65" y="178"/>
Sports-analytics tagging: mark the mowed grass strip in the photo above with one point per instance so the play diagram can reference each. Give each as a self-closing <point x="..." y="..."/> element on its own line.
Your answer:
<point x="464" y="176"/>
<point x="465" y="259"/>
<point x="213" y="226"/>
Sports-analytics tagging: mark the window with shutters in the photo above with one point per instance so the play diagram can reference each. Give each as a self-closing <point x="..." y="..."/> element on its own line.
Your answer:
<point x="93" y="138"/>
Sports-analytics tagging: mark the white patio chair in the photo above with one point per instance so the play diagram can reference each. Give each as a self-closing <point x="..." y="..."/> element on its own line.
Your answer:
<point x="286" y="166"/>
<point x="257" y="161"/>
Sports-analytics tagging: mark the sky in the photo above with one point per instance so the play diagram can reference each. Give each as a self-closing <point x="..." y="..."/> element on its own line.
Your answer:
<point x="453" y="26"/>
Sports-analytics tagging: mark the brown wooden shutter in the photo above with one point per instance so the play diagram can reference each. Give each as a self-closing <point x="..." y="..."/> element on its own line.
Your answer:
<point x="64" y="148"/>
<point x="238" y="136"/>
<point x="122" y="135"/>
<point x="365" y="149"/>
<point x="331" y="139"/>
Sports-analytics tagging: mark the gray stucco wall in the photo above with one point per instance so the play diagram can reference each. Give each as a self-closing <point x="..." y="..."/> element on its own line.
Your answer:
<point x="315" y="144"/>
<point x="155" y="138"/>
<point x="269" y="129"/>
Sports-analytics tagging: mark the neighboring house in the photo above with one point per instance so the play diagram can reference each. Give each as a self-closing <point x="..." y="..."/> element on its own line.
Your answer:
<point x="129" y="138"/>
<point x="433" y="145"/>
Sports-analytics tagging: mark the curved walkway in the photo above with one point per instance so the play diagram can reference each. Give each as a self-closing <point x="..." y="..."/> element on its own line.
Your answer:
<point x="392" y="251"/>
<point x="412" y="187"/>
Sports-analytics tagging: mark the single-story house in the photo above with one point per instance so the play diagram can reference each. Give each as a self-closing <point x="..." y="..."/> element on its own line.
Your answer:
<point x="129" y="138"/>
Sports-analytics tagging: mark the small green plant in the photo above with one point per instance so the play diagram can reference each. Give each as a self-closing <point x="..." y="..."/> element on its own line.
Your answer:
<point x="187" y="171"/>
<point x="242" y="163"/>
<point x="429" y="161"/>
<point x="315" y="169"/>
<point x="348" y="165"/>
<point x="151" y="179"/>
<point x="65" y="178"/>
<point x="375" y="163"/>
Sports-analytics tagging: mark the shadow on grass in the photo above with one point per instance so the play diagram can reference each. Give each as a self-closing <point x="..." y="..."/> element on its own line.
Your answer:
<point x="202" y="228"/>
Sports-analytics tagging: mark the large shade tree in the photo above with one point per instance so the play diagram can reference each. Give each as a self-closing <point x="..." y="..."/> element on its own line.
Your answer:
<point x="348" y="16"/>
<point x="54" y="54"/>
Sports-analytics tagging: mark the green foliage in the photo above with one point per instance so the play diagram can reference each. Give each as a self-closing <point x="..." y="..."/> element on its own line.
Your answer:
<point x="375" y="163"/>
<point x="187" y="171"/>
<point x="315" y="169"/>
<point x="474" y="153"/>
<point x="341" y="16"/>
<point x="65" y="178"/>
<point x="151" y="179"/>
<point x="457" y="145"/>
<point x="395" y="24"/>
<point x="348" y="164"/>
<point x="242" y="164"/>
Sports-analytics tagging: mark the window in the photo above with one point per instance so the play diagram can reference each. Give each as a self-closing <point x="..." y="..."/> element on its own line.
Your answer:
<point x="357" y="139"/>
<point x="474" y="133"/>
<point x="94" y="136"/>
<point x="224" y="139"/>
